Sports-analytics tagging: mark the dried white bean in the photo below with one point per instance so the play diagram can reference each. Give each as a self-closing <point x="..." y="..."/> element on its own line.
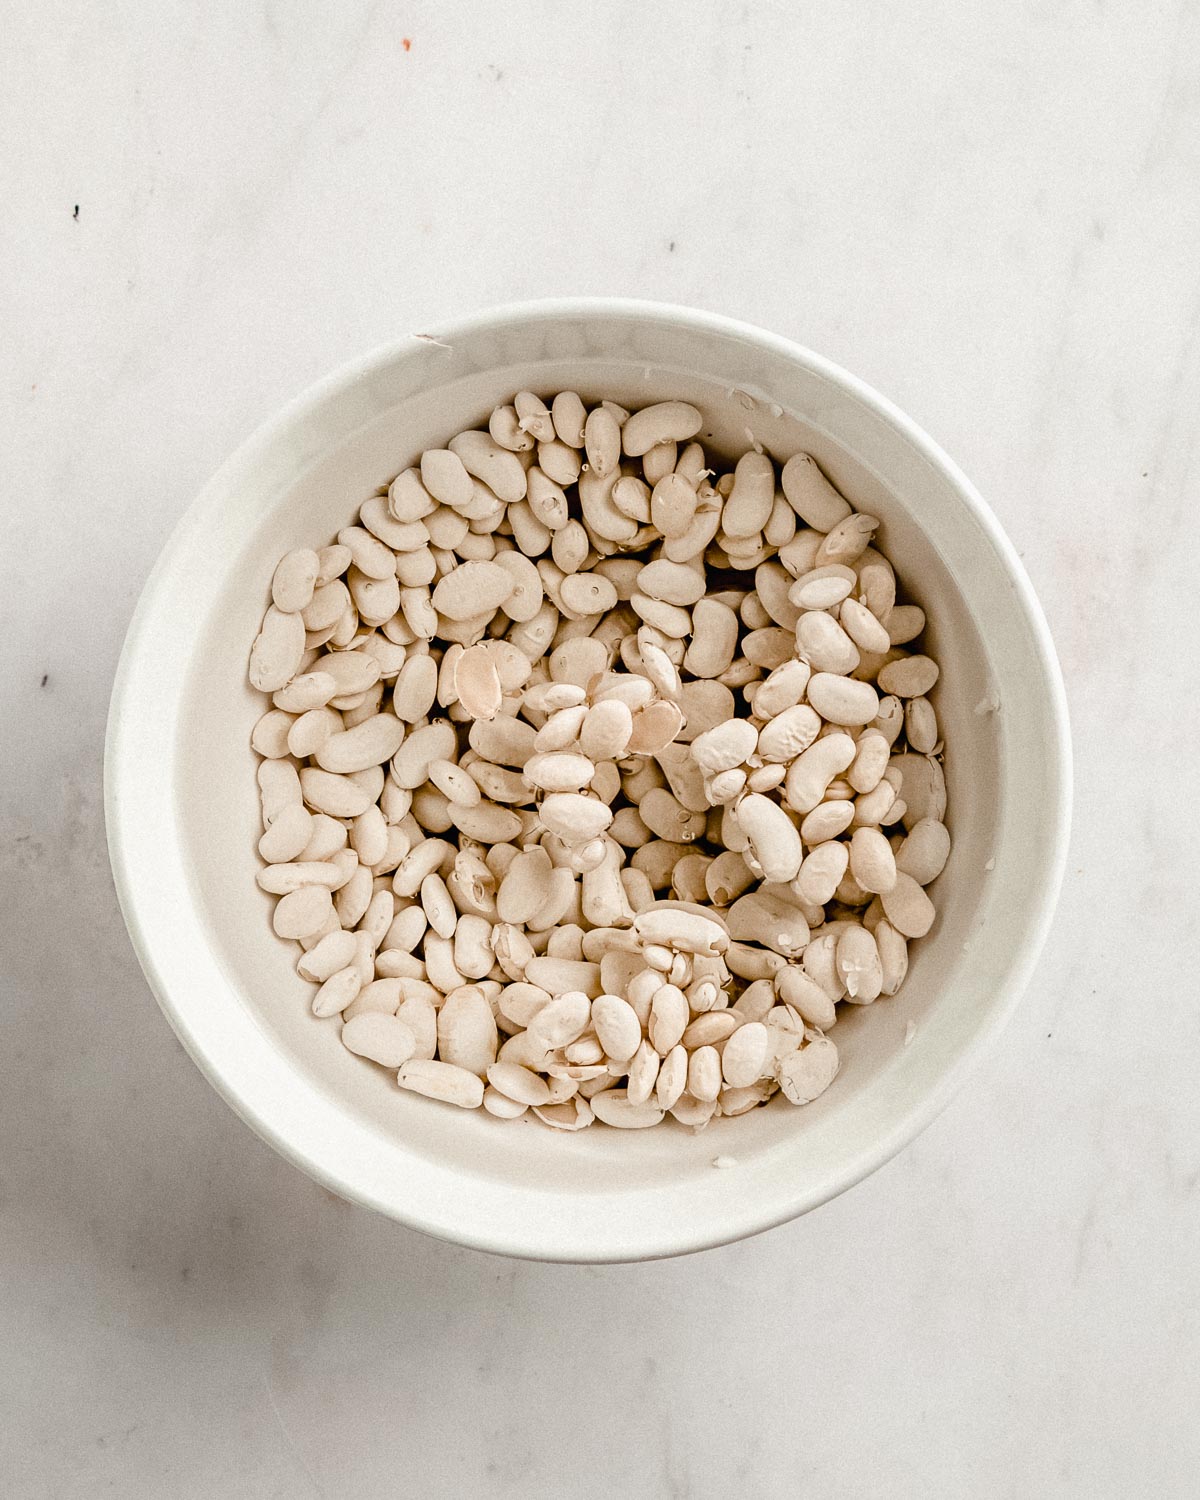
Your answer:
<point x="872" y="862"/>
<point x="443" y="1081"/>
<point x="617" y="1026"/>
<point x="805" y="1074"/>
<point x="277" y="651"/>
<point x="668" y="421"/>
<point x="287" y="836"/>
<point x="924" y="853"/>
<point x="909" y="677"/>
<point x="382" y="1038"/>
<point x="466" y="1030"/>
<point x="335" y="951"/>
<point x="906" y="905"/>
<point x="773" y="837"/>
<point x="811" y="495"/>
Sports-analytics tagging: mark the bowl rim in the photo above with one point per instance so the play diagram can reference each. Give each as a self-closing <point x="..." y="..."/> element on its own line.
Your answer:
<point x="120" y="785"/>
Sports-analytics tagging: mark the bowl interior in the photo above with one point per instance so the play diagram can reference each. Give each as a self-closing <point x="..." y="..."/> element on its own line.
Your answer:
<point x="230" y="984"/>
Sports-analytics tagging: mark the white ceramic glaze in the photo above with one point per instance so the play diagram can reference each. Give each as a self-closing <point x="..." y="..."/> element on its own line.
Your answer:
<point x="183" y="816"/>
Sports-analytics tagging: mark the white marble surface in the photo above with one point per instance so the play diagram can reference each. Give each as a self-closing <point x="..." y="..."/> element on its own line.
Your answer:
<point x="987" y="210"/>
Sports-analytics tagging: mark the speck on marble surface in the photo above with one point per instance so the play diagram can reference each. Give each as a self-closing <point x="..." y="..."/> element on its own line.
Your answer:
<point x="988" y="211"/>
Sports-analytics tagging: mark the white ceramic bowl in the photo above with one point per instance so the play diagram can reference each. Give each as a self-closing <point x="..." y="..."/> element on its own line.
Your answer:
<point x="183" y="815"/>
